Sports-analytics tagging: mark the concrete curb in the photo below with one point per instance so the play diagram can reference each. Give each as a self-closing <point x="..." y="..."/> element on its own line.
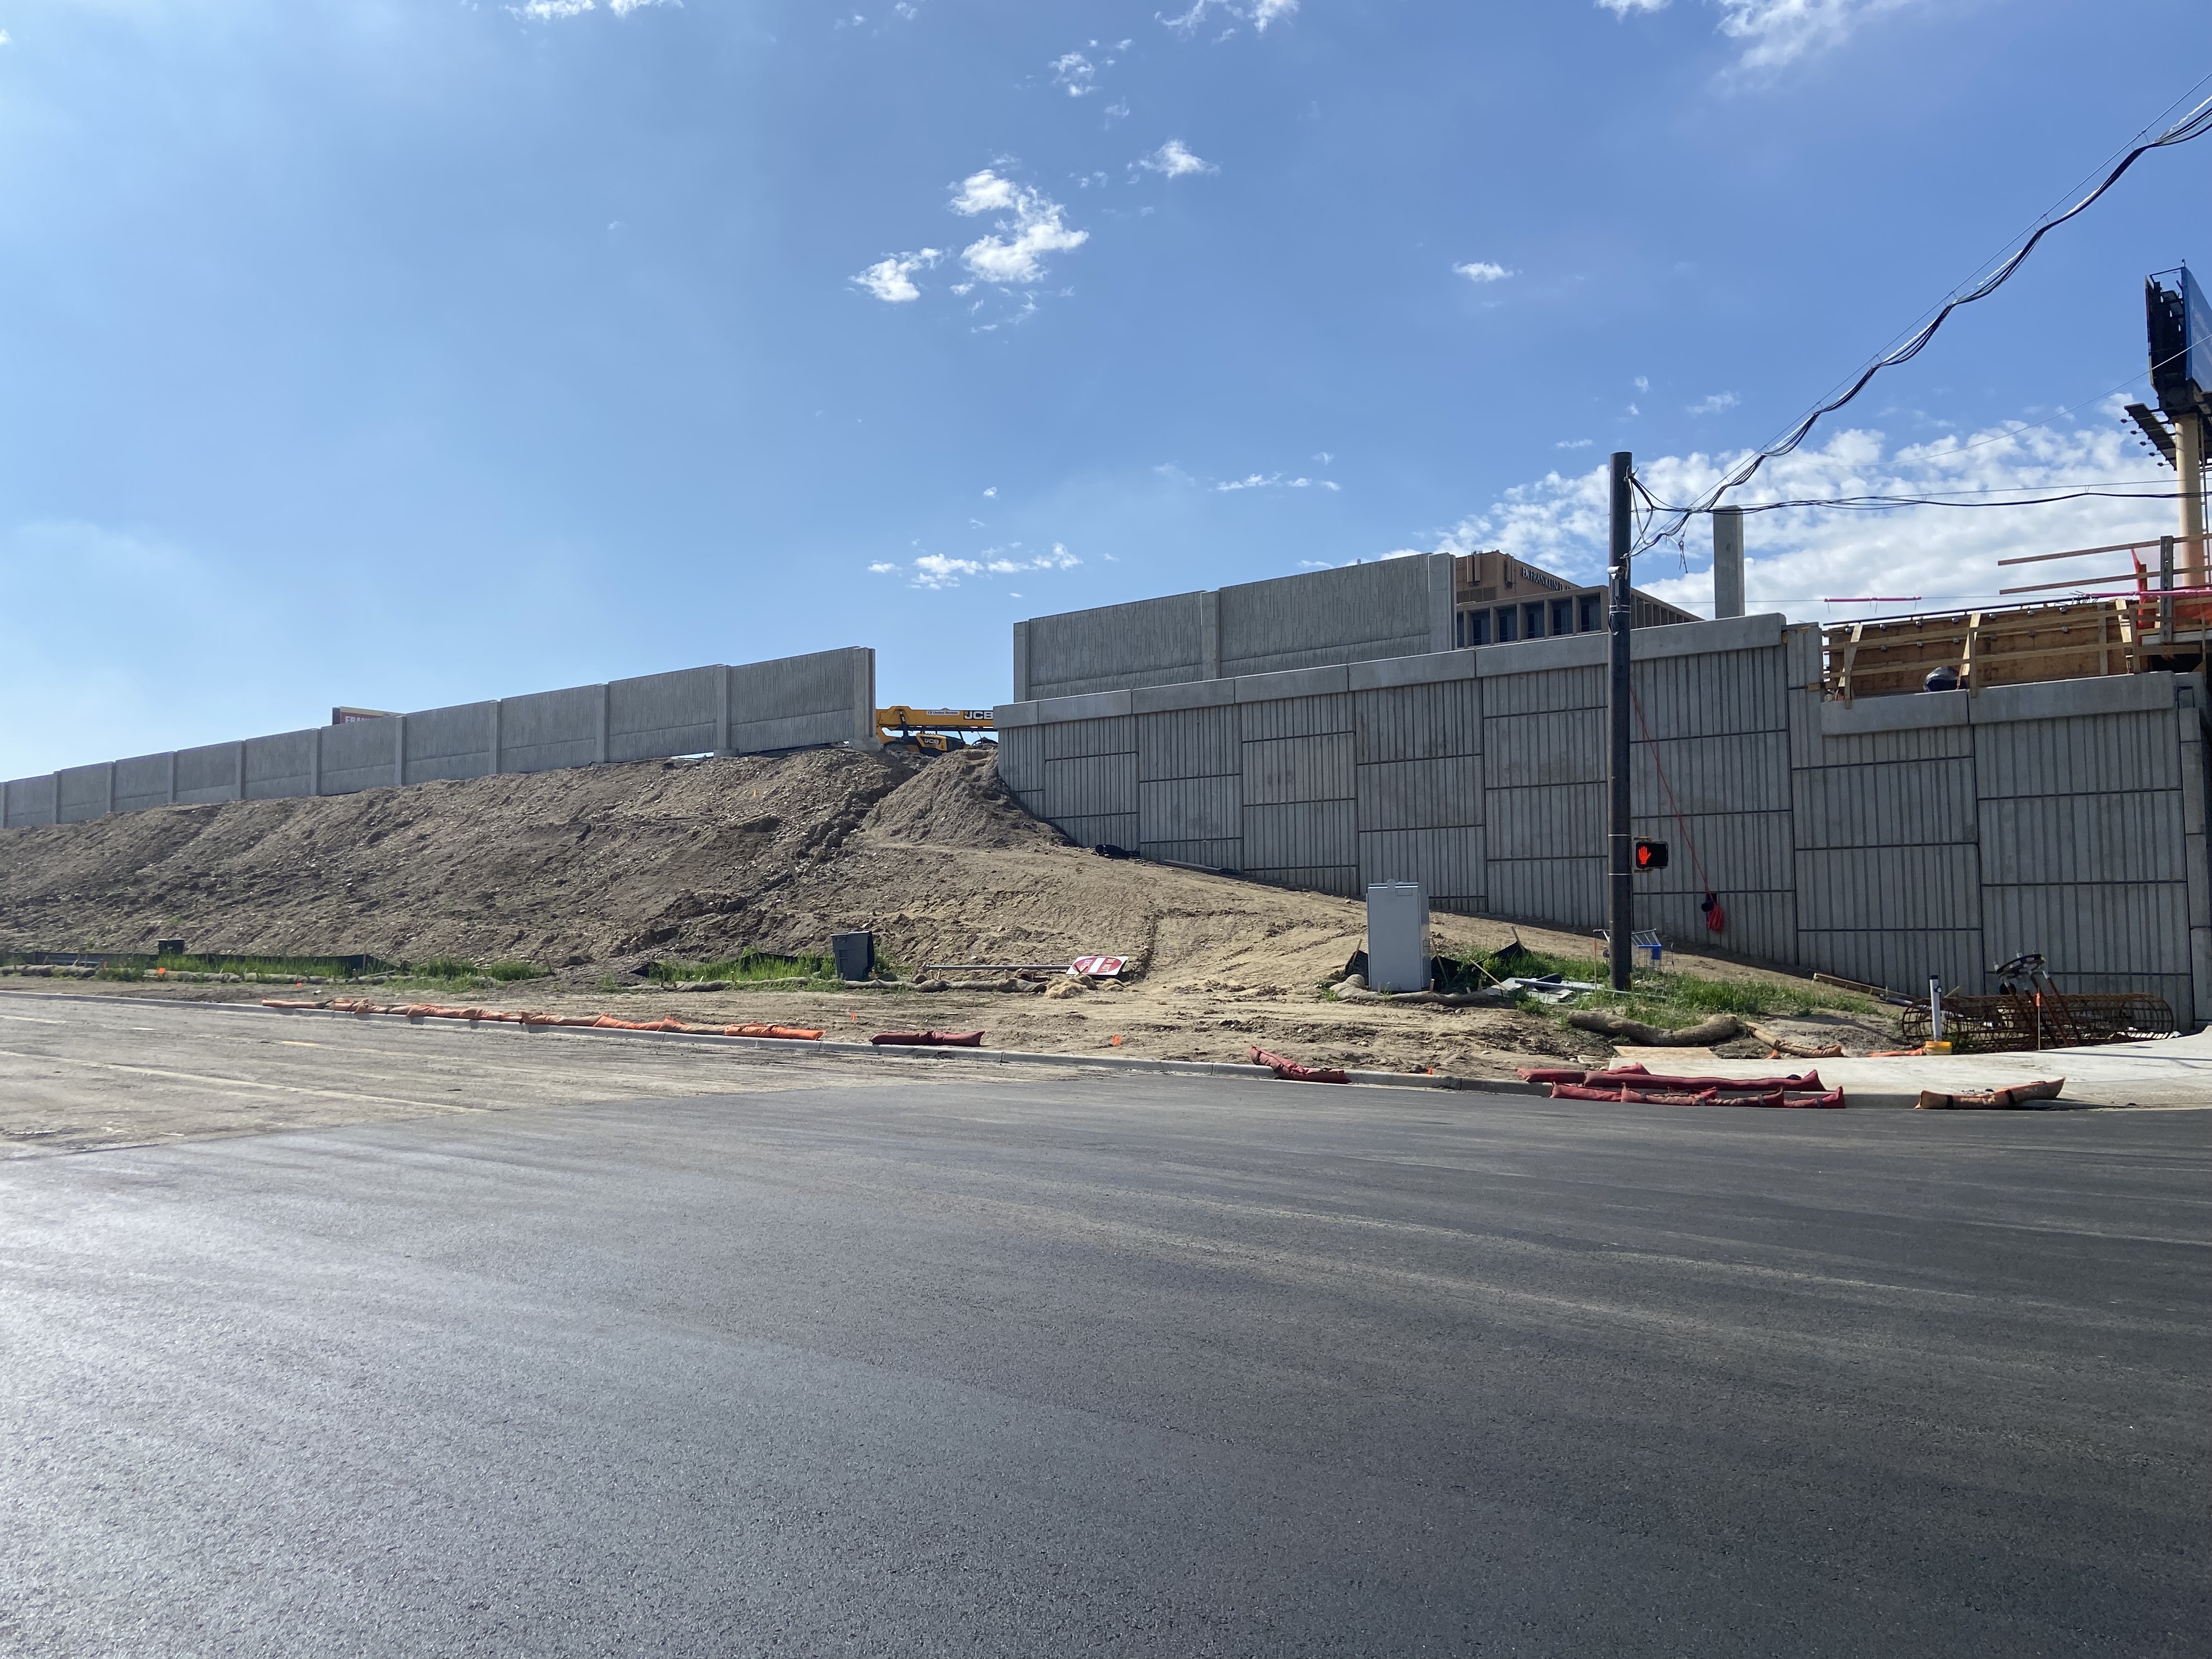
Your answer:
<point x="788" y="1046"/>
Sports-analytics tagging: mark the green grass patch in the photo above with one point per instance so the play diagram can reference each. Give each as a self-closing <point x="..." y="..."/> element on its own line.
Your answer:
<point x="1666" y="997"/>
<point x="750" y="968"/>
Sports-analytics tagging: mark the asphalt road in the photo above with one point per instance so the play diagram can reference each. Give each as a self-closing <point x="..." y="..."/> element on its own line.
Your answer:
<point x="1129" y="1365"/>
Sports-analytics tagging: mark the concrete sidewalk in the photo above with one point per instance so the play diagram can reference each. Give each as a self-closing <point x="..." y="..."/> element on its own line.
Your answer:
<point x="2170" y="1072"/>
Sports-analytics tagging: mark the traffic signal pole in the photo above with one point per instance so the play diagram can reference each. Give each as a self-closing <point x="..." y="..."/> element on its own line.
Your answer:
<point x="1620" y="881"/>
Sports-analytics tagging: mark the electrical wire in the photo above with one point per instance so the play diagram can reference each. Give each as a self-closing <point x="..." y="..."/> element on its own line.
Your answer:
<point x="2195" y="124"/>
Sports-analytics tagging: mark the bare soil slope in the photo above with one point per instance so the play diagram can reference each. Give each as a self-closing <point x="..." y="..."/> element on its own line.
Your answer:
<point x="599" y="868"/>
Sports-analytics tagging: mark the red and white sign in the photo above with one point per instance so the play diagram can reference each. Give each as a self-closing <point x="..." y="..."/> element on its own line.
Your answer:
<point x="1098" y="966"/>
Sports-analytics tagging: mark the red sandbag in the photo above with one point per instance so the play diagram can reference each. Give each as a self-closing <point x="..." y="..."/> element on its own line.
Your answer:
<point x="793" y="1033"/>
<point x="1622" y="1094"/>
<point x="1291" y="1071"/>
<point x="1807" y="1084"/>
<point x="928" y="1039"/>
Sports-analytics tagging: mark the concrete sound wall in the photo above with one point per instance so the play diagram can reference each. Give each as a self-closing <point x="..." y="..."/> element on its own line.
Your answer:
<point x="1391" y="608"/>
<point x="797" y="702"/>
<point x="1884" y="841"/>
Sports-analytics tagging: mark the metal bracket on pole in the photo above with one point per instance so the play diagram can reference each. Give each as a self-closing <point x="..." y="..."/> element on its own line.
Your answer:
<point x="1620" y="881"/>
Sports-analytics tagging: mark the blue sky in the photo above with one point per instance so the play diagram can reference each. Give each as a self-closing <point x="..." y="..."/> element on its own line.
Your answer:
<point x="404" y="352"/>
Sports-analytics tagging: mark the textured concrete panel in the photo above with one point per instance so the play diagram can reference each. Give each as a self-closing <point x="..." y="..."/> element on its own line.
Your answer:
<point x="1747" y="773"/>
<point x="1899" y="748"/>
<point x="2083" y="838"/>
<point x="1021" y="758"/>
<point x="1205" y="854"/>
<point x="1148" y="643"/>
<point x="1419" y="722"/>
<point x="1741" y="851"/>
<point x="1282" y="770"/>
<point x="1292" y="682"/>
<point x="540" y="732"/>
<point x="1543" y="693"/>
<point x="1074" y="739"/>
<point x="2117" y="694"/>
<point x="2116" y="934"/>
<point x="1533" y="749"/>
<point x="1915" y="805"/>
<point x="1709" y="695"/>
<point x="210" y="773"/>
<point x="1433" y="668"/>
<point x="1379" y="610"/>
<point x="656" y="715"/>
<point x="1104" y="829"/>
<point x="1899" y="958"/>
<point x="1565" y="892"/>
<point x="1191" y="743"/>
<point x="281" y="767"/>
<point x="1190" y="809"/>
<point x="1092" y="786"/>
<point x="1194" y="693"/>
<point x="1760" y="925"/>
<point x="1562" y="821"/>
<point x="2126" y="751"/>
<point x="1429" y="794"/>
<point x="814" y="700"/>
<point x="1918" y="711"/>
<point x="141" y="782"/>
<point x="1447" y="863"/>
<point x="30" y="801"/>
<point x="1298" y="717"/>
<point x="84" y="792"/>
<point x="1314" y="833"/>
<point x="1341" y="879"/>
<point x="1882" y="888"/>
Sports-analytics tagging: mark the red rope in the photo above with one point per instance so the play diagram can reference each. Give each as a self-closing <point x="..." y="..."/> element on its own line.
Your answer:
<point x="1715" y="918"/>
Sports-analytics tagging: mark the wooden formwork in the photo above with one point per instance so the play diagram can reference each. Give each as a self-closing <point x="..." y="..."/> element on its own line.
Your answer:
<point x="2011" y="646"/>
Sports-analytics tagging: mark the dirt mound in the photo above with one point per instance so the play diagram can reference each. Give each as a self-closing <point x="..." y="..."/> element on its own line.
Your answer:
<point x="958" y="801"/>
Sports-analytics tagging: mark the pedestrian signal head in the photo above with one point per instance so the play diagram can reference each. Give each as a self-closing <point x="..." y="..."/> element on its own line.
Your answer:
<point x="1650" y="855"/>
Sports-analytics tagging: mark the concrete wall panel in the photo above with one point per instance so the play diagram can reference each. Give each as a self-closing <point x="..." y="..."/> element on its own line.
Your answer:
<point x="1205" y="854"/>
<point x="1900" y="958"/>
<point x="1747" y="772"/>
<point x="2128" y="751"/>
<point x="1102" y="830"/>
<point x="1425" y="794"/>
<point x="1566" y="821"/>
<point x="1021" y="758"/>
<point x="2096" y="935"/>
<point x="141" y="782"/>
<point x="84" y="793"/>
<point x="1309" y="834"/>
<point x="30" y="801"/>
<point x="1419" y="722"/>
<point x="656" y="715"/>
<point x="1447" y="863"/>
<point x="1283" y="770"/>
<point x="1295" y="717"/>
<point x="1912" y="805"/>
<point x="1190" y="809"/>
<point x="814" y="701"/>
<point x="1544" y="749"/>
<point x="450" y="743"/>
<point x="1190" y="743"/>
<point x="1092" y="786"/>
<point x="542" y="732"/>
<point x="283" y="766"/>
<point x="1565" y="892"/>
<point x="1537" y="694"/>
<point x="210" y="773"/>
<point x="2083" y="838"/>
<point x="360" y="755"/>
<point x="1902" y="888"/>
<point x="1148" y="643"/>
<point x="1074" y="739"/>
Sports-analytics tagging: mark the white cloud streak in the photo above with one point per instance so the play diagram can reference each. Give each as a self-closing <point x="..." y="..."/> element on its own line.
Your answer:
<point x="1777" y="32"/>
<point x="938" y="570"/>
<point x="1481" y="270"/>
<point x="554" y="11"/>
<point x="1173" y="160"/>
<point x="1259" y="13"/>
<point x="1076" y="73"/>
<point x="1275" y="481"/>
<point x="1714" y="405"/>
<point x="1031" y="225"/>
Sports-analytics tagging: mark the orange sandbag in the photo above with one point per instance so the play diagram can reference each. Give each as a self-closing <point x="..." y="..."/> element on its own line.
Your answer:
<point x="1291" y="1071"/>
<point x="794" y="1033"/>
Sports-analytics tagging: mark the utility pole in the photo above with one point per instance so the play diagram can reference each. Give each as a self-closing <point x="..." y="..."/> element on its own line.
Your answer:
<point x="1620" y="880"/>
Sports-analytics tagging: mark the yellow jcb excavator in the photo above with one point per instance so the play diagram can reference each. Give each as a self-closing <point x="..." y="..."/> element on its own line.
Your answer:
<point x="932" y="731"/>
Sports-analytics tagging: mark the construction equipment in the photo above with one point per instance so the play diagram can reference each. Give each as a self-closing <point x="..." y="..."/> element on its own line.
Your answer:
<point x="2030" y="1012"/>
<point x="932" y="731"/>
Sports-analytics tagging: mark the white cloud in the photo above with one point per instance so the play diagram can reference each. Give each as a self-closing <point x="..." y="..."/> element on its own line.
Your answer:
<point x="1622" y="8"/>
<point x="1799" y="556"/>
<point x="1780" y="32"/>
<point x="1714" y="405"/>
<point x="623" y="7"/>
<point x="937" y="570"/>
<point x="1072" y="70"/>
<point x="892" y="280"/>
<point x="1173" y="161"/>
<point x="1033" y="226"/>
<point x="992" y="491"/>
<point x="1259" y="13"/>
<point x="549" y="11"/>
<point x="1572" y="443"/>
<point x="1481" y="270"/>
<point x="1642" y="384"/>
<point x="1275" y="481"/>
<point x="1118" y="110"/>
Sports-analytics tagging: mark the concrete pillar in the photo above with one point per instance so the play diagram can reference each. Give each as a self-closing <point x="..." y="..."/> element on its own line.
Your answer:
<point x="722" y="709"/>
<point x="108" y="805"/>
<point x="238" y="767"/>
<point x="607" y="719"/>
<point x="1209" y="635"/>
<point x="1021" y="662"/>
<point x="315" y="763"/>
<point x="493" y="754"/>
<point x="1728" y="562"/>
<point x="173" y="777"/>
<point x="1440" y="602"/>
<point x="398" y="749"/>
<point x="864" y="698"/>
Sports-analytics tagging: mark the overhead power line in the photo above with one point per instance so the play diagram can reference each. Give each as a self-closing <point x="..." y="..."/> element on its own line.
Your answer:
<point x="2195" y="124"/>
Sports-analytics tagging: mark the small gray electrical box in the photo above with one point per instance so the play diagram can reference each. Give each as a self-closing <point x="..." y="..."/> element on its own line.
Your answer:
<point x="1397" y="936"/>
